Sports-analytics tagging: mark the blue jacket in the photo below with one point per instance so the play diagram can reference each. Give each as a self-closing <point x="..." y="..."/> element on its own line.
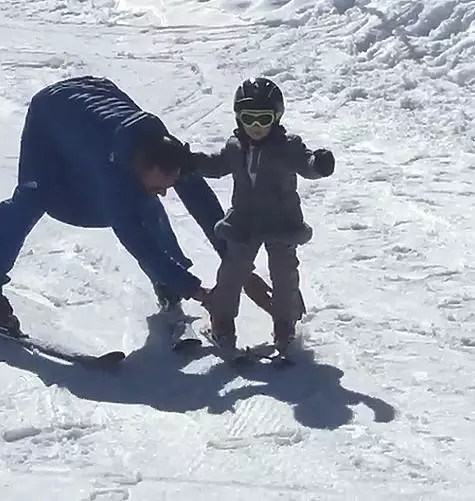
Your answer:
<point x="86" y="128"/>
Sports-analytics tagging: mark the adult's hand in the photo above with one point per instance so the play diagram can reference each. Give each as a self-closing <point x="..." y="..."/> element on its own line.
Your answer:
<point x="202" y="295"/>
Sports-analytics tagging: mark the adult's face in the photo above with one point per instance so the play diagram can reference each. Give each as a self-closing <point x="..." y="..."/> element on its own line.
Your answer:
<point x="156" y="179"/>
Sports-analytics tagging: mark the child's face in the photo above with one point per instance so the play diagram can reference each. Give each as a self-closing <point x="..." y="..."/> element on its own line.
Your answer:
<point x="257" y="124"/>
<point x="256" y="132"/>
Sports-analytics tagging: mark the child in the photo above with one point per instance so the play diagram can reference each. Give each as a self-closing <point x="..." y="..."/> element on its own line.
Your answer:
<point x="264" y="161"/>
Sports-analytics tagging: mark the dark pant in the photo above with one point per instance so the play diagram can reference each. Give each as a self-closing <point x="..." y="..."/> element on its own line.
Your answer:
<point x="235" y="269"/>
<point x="19" y="214"/>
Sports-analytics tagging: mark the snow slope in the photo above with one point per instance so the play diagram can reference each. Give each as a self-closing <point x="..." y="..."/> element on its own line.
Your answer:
<point x="382" y="404"/>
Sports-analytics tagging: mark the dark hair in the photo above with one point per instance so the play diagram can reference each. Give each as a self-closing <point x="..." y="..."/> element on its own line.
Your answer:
<point x="164" y="151"/>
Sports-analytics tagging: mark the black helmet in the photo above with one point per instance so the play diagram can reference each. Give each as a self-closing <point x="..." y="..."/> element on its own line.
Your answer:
<point x="259" y="94"/>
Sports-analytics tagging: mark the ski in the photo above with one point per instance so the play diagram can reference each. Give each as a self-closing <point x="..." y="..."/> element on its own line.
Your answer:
<point x="262" y="353"/>
<point x="267" y="352"/>
<point x="107" y="361"/>
<point x="186" y="345"/>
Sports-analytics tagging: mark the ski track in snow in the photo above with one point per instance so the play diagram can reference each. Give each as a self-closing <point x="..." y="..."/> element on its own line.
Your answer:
<point x="382" y="401"/>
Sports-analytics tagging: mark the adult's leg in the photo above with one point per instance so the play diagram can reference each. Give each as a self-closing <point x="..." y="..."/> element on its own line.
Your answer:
<point x="19" y="214"/>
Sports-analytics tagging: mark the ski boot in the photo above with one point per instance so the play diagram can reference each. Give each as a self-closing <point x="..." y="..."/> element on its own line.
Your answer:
<point x="9" y="323"/>
<point x="182" y="337"/>
<point x="284" y="341"/>
<point x="222" y="335"/>
<point x="170" y="305"/>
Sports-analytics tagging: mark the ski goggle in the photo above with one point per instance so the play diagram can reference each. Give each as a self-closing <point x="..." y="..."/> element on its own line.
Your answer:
<point x="261" y="118"/>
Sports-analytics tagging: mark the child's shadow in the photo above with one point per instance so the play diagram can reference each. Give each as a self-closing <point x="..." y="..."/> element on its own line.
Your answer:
<point x="154" y="376"/>
<point x="314" y="390"/>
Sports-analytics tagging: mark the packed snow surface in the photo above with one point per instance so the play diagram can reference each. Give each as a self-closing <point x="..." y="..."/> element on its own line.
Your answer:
<point x="382" y="402"/>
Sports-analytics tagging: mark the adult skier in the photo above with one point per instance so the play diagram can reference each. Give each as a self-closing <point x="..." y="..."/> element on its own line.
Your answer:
<point x="91" y="157"/>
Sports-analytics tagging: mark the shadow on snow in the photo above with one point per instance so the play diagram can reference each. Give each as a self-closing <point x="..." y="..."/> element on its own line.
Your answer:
<point x="153" y="376"/>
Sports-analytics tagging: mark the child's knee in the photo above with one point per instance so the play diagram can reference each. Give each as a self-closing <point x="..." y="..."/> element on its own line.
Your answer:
<point x="283" y="259"/>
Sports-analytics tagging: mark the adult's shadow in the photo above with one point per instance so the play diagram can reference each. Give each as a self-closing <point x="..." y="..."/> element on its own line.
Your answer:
<point x="314" y="390"/>
<point x="151" y="375"/>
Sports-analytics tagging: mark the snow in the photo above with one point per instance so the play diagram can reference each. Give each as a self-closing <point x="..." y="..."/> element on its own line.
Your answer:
<point x="382" y="404"/>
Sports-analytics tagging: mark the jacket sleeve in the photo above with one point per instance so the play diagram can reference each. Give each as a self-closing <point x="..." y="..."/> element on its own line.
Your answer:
<point x="157" y="264"/>
<point x="301" y="158"/>
<point x="136" y="223"/>
<point x="216" y="165"/>
<point x="203" y="205"/>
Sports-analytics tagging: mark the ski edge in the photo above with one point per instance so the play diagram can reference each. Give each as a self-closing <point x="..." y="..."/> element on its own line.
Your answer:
<point x="36" y="346"/>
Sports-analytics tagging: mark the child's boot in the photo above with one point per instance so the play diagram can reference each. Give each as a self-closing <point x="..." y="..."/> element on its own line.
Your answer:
<point x="223" y="334"/>
<point x="284" y="335"/>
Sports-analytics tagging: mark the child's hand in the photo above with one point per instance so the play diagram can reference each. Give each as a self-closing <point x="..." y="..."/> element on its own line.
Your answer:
<point x="324" y="162"/>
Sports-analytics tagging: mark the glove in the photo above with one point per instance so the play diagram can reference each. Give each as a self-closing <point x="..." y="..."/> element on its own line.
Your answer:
<point x="203" y="296"/>
<point x="324" y="162"/>
<point x="167" y="299"/>
<point x="258" y="291"/>
<point x="189" y="165"/>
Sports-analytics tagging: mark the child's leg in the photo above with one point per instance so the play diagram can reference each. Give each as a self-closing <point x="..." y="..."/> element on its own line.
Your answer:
<point x="233" y="273"/>
<point x="286" y="298"/>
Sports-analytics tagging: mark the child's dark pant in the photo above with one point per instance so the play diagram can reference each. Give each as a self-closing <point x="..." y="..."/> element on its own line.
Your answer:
<point x="235" y="269"/>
